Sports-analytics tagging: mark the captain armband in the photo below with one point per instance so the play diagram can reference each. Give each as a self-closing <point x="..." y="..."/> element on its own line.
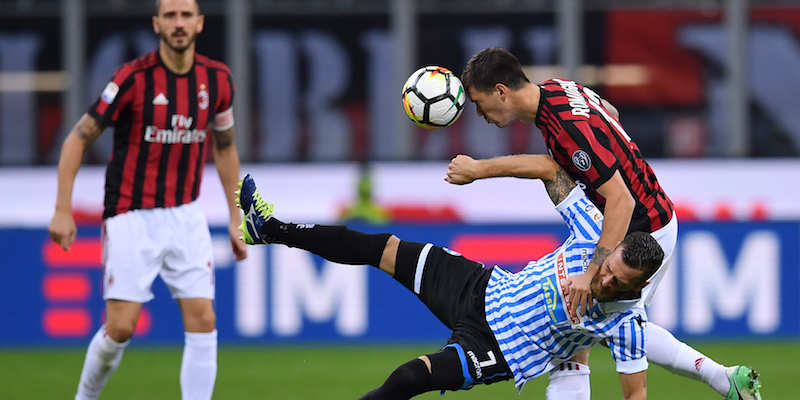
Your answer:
<point x="224" y="120"/>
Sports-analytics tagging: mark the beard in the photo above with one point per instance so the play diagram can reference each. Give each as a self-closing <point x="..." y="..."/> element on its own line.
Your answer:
<point x="600" y="293"/>
<point x="180" y="49"/>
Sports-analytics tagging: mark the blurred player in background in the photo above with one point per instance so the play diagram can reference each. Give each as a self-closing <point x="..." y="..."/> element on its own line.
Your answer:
<point x="504" y="325"/>
<point x="163" y="106"/>
<point x="584" y="136"/>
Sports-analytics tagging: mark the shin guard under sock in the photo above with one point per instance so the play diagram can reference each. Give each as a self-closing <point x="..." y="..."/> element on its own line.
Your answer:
<point x="333" y="242"/>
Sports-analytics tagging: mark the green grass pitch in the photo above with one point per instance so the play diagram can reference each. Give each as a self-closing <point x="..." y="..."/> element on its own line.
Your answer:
<point x="347" y="372"/>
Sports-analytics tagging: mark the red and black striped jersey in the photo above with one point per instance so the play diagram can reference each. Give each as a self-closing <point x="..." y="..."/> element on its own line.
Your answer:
<point x="590" y="144"/>
<point x="161" y="128"/>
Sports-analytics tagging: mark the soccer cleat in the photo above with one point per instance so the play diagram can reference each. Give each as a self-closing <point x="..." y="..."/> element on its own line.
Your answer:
<point x="745" y="384"/>
<point x="256" y="211"/>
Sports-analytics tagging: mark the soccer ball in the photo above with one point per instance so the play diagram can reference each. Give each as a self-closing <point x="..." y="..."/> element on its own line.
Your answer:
<point x="433" y="97"/>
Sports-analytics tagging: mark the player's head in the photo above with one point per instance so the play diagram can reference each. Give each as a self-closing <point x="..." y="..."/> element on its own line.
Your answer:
<point x="628" y="267"/>
<point x="491" y="66"/>
<point x="178" y="22"/>
<point x="490" y="75"/>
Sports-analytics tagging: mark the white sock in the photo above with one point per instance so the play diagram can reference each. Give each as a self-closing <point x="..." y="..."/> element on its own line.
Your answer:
<point x="664" y="350"/>
<point x="569" y="381"/>
<point x="199" y="365"/>
<point x="102" y="359"/>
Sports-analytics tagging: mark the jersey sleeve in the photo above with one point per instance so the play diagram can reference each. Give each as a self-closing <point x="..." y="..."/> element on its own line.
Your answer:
<point x="223" y="117"/>
<point x="627" y="345"/>
<point x="583" y="136"/>
<point x="115" y="97"/>
<point x="584" y="220"/>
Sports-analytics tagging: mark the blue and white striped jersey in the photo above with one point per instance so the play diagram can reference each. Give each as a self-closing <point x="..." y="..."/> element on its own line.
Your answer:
<point x="529" y="311"/>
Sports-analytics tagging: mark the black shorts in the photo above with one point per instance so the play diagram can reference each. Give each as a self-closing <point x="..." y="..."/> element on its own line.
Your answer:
<point x="453" y="288"/>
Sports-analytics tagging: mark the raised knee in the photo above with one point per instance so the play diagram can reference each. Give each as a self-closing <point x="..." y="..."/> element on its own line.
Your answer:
<point x="120" y="331"/>
<point x="427" y="362"/>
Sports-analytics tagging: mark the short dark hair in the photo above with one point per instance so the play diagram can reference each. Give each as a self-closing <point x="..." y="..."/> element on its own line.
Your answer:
<point x="158" y="6"/>
<point x="491" y="66"/>
<point x="642" y="252"/>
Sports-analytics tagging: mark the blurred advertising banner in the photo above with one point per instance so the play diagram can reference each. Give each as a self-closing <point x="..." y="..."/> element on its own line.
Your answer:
<point x="702" y="190"/>
<point x="728" y="279"/>
<point x="325" y="89"/>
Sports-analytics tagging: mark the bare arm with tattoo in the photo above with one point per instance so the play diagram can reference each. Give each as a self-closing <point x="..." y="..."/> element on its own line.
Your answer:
<point x="617" y="217"/>
<point x="62" y="227"/>
<point x="464" y="169"/>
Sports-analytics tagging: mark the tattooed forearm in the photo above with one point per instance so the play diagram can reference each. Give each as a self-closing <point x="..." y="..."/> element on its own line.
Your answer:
<point x="559" y="186"/>
<point x="600" y="254"/>
<point x="223" y="139"/>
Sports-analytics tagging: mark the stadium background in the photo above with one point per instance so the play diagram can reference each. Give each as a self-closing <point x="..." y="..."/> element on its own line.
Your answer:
<point x="707" y="89"/>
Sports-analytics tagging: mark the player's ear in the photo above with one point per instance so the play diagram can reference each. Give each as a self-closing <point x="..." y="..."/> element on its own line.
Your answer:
<point x="201" y="20"/>
<point x="155" y="25"/>
<point x="501" y="90"/>
<point x="640" y="287"/>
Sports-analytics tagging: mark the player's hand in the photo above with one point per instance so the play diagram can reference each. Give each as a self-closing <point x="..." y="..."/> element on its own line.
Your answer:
<point x="580" y="294"/>
<point x="62" y="229"/>
<point x="462" y="170"/>
<point x="237" y="245"/>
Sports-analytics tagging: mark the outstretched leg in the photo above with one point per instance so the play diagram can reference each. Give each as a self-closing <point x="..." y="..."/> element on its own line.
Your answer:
<point x="665" y="350"/>
<point x="338" y="244"/>
<point x="439" y="371"/>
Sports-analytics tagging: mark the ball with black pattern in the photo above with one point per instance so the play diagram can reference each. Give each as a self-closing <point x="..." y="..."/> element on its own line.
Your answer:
<point x="433" y="97"/>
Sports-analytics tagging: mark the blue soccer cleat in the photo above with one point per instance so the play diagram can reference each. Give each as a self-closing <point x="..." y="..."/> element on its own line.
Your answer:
<point x="745" y="384"/>
<point x="256" y="211"/>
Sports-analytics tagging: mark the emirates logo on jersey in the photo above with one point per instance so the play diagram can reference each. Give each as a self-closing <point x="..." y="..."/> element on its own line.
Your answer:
<point x="581" y="160"/>
<point x="181" y="132"/>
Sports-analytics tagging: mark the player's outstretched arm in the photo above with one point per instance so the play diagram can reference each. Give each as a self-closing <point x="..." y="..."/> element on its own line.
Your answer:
<point x="62" y="227"/>
<point x="634" y="386"/>
<point x="464" y="169"/>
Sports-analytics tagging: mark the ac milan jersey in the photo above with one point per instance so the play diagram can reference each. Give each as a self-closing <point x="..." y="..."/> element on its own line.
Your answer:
<point x="161" y="127"/>
<point x="528" y="312"/>
<point x="590" y="144"/>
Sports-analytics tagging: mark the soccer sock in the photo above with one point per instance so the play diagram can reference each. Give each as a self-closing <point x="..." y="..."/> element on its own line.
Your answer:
<point x="664" y="350"/>
<point x="102" y="359"/>
<point x="405" y="382"/>
<point x="569" y="381"/>
<point x="199" y="365"/>
<point x="334" y="243"/>
<point x="413" y="377"/>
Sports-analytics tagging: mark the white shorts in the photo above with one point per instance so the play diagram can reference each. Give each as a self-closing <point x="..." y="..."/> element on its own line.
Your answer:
<point x="173" y="242"/>
<point x="667" y="237"/>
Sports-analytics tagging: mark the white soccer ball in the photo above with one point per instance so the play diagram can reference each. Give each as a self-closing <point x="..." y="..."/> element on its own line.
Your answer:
<point x="433" y="97"/>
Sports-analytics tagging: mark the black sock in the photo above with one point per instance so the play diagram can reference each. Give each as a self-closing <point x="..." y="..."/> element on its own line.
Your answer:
<point x="413" y="377"/>
<point x="405" y="382"/>
<point x="333" y="242"/>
